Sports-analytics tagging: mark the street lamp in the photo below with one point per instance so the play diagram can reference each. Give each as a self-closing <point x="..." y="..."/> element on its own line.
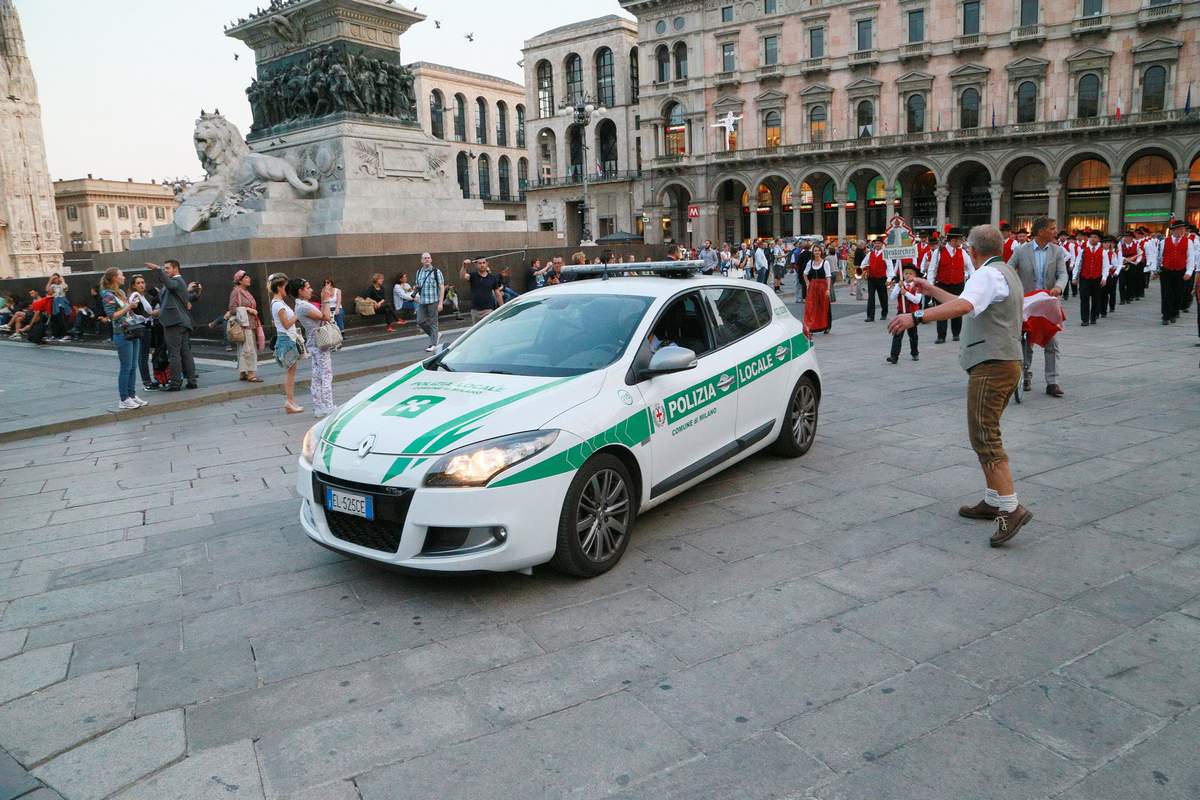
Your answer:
<point x="580" y="109"/>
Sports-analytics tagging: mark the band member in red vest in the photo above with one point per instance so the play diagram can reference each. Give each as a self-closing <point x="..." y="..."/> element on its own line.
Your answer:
<point x="1019" y="238"/>
<point x="1091" y="278"/>
<point x="924" y="253"/>
<point x="908" y="300"/>
<point x="1176" y="265"/>
<point x="1131" y="262"/>
<point x="877" y="279"/>
<point x="949" y="271"/>
<point x="1007" y="232"/>
<point x="1068" y="245"/>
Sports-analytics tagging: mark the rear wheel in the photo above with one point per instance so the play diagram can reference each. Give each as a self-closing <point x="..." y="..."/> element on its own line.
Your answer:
<point x="597" y="518"/>
<point x="800" y="422"/>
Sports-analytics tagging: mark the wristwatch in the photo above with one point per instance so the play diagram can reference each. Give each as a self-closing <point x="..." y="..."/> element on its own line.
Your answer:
<point x="919" y="316"/>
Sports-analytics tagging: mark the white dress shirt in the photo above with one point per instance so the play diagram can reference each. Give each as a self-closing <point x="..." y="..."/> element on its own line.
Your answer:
<point x="985" y="286"/>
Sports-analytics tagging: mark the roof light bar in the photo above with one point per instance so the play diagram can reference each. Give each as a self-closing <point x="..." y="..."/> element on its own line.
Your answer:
<point x="656" y="269"/>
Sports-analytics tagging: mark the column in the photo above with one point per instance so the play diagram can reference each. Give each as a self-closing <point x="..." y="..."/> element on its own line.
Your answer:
<point x="860" y="213"/>
<point x="1053" y="188"/>
<point x="1116" y="196"/>
<point x="906" y="204"/>
<point x="889" y="197"/>
<point x="842" y="198"/>
<point x="776" y="215"/>
<point x="1181" y="193"/>
<point x="796" y="214"/>
<point x="753" y="219"/>
<point x="705" y="227"/>
<point x="996" y="189"/>
<point x="941" y="193"/>
<point x="654" y="226"/>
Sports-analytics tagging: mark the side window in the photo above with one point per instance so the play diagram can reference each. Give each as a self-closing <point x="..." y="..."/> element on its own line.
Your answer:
<point x="733" y="314"/>
<point x="762" y="308"/>
<point x="683" y="323"/>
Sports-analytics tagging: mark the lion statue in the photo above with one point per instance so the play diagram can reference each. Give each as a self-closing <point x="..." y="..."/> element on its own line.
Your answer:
<point x="234" y="174"/>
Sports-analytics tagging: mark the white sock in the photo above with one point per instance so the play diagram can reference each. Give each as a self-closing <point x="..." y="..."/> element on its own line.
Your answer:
<point x="991" y="498"/>
<point x="1007" y="502"/>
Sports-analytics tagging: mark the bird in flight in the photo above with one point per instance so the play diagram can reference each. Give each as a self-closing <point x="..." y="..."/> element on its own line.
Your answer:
<point x="521" y="63"/>
<point x="437" y="23"/>
<point x="236" y="56"/>
<point x="470" y="37"/>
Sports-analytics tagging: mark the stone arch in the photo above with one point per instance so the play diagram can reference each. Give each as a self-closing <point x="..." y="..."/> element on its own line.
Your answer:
<point x="1025" y="177"/>
<point x="716" y="182"/>
<point x="861" y="166"/>
<point x="932" y="165"/>
<point x="970" y="202"/>
<point x="667" y="102"/>
<point x="1127" y="156"/>
<point x="733" y="223"/>
<point x="980" y="158"/>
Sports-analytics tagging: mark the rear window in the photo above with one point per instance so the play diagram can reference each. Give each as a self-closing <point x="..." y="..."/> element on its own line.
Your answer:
<point x="762" y="307"/>
<point x="733" y="313"/>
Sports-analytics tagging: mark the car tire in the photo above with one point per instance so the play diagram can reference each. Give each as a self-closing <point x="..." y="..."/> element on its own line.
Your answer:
<point x="799" y="421"/>
<point x="591" y="544"/>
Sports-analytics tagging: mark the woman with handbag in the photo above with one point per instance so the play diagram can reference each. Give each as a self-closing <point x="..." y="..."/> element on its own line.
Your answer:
<point x="127" y="339"/>
<point x="288" y="342"/>
<point x="243" y="325"/>
<point x="311" y="319"/>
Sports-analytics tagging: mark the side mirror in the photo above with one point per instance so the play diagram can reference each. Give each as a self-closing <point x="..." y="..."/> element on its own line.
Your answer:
<point x="670" y="358"/>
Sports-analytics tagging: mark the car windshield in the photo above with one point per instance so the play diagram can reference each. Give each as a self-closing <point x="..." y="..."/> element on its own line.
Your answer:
<point x="549" y="335"/>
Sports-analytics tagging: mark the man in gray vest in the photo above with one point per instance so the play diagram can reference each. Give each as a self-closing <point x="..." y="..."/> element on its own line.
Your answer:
<point x="1042" y="265"/>
<point x="175" y="315"/>
<point x="990" y="305"/>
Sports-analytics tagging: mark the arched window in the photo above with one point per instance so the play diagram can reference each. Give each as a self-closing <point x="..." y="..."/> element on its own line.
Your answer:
<point x="485" y="177"/>
<point x="437" y="123"/>
<point x="520" y="125"/>
<point x="680" y="61"/>
<point x="545" y="89"/>
<point x="606" y="84"/>
<point x="675" y="131"/>
<point x="865" y="114"/>
<point x="634" y="92"/>
<point x="503" y="176"/>
<point x="460" y="118"/>
<point x="464" y="174"/>
<point x="968" y="108"/>
<point x="1089" y="96"/>
<point x="481" y="122"/>
<point x="606" y="139"/>
<point x="1154" y="88"/>
<point x="914" y="113"/>
<point x="772" y="129"/>
<point x="1027" y="102"/>
<point x="522" y="177"/>
<point x="574" y="65"/>
<point x="501" y="123"/>
<point x="662" y="62"/>
<point x="817" y="120"/>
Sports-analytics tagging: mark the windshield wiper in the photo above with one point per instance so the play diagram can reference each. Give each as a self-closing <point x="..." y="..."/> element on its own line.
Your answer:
<point x="443" y="365"/>
<point x="498" y="372"/>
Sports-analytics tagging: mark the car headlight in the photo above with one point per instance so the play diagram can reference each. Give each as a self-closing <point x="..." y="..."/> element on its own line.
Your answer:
<point x="476" y="464"/>
<point x="308" y="449"/>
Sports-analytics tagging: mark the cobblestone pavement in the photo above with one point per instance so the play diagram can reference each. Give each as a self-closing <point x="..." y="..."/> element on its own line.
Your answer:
<point x="823" y="628"/>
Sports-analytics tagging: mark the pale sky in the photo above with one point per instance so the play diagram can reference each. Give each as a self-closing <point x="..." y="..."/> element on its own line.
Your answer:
<point x="122" y="82"/>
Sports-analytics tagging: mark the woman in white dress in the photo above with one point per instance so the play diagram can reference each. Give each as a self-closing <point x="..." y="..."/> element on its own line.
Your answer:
<point x="311" y="317"/>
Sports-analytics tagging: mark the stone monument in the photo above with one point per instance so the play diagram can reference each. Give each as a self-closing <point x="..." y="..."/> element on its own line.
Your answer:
<point x="335" y="162"/>
<point x="30" y="242"/>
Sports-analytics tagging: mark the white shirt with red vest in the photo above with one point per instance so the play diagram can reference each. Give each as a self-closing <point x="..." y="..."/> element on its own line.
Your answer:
<point x="907" y="300"/>
<point x="1179" y="255"/>
<point x="1092" y="264"/>
<point x="924" y="256"/>
<point x="877" y="265"/>
<point x="953" y="263"/>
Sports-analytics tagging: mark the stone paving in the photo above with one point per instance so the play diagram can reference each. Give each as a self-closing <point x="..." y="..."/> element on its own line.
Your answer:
<point x="824" y="628"/>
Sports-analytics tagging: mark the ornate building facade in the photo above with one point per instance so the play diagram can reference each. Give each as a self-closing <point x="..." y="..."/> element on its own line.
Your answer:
<point x="105" y="216"/>
<point x="484" y="117"/>
<point x="596" y="60"/>
<point x="786" y="117"/>
<point x="29" y="235"/>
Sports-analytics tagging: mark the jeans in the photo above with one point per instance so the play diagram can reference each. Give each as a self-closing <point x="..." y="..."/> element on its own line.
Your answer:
<point x="127" y="359"/>
<point x="427" y="320"/>
<point x="179" y="347"/>
<point x="340" y="319"/>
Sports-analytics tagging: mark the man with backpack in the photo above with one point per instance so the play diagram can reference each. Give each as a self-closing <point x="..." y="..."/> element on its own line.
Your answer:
<point x="430" y="290"/>
<point x="175" y="315"/>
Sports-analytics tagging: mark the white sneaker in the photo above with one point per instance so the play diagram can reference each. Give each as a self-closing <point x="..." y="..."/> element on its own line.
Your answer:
<point x="139" y="402"/>
<point x="430" y="349"/>
<point x="127" y="405"/>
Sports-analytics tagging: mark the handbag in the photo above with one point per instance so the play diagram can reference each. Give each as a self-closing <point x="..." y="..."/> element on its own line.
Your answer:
<point x="328" y="337"/>
<point x="235" y="332"/>
<point x="364" y="307"/>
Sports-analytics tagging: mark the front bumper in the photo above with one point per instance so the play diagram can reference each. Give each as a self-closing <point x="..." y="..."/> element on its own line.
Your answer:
<point x="528" y="513"/>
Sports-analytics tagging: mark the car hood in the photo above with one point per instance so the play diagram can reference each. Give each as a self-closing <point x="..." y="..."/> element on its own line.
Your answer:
<point x="419" y="412"/>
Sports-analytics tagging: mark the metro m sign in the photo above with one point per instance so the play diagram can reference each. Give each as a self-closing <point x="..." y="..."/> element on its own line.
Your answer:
<point x="693" y="212"/>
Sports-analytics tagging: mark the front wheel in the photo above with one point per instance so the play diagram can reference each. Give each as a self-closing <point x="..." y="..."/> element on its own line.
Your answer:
<point x="800" y="422"/>
<point x="597" y="518"/>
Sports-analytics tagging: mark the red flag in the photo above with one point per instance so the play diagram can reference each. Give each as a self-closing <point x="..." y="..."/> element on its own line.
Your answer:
<point x="1044" y="317"/>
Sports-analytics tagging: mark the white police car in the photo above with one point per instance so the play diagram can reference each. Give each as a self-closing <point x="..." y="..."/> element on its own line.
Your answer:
<point x="543" y="432"/>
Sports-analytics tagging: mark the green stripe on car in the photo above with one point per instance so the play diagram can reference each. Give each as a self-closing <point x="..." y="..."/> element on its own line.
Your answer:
<point x="628" y="432"/>
<point x="346" y="414"/>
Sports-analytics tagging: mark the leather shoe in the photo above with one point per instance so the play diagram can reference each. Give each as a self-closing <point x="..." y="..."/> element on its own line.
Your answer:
<point x="1008" y="523"/>
<point x="940" y="340"/>
<point x="891" y="360"/>
<point x="981" y="510"/>
<point x="172" y="387"/>
<point x="1054" y="390"/>
<point x="192" y="385"/>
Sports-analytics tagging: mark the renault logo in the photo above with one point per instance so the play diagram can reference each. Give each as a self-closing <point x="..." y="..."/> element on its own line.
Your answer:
<point x="364" y="447"/>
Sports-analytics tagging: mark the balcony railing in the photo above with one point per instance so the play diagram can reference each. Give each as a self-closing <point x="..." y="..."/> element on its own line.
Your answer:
<point x="979" y="134"/>
<point x="820" y="64"/>
<point x="914" y="50"/>
<point x="1029" y="33"/>
<point x="1098" y="23"/>
<point x="1164" y="12"/>
<point x="729" y="78"/>
<point x="576" y="179"/>
<point x="970" y="41"/>
<point x="770" y="72"/>
<point x="859" y="57"/>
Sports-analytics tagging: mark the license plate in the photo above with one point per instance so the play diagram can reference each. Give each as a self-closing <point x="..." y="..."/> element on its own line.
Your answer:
<point x="356" y="505"/>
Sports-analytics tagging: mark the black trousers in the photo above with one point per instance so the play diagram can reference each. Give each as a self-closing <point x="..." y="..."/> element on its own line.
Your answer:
<point x="1171" y="283"/>
<point x="876" y="287"/>
<point x="898" y="339"/>
<point x="1110" y="292"/>
<point x="1091" y="299"/>
<point x="956" y="323"/>
<point x="1129" y="282"/>
<point x="179" y="349"/>
<point x="1189" y="286"/>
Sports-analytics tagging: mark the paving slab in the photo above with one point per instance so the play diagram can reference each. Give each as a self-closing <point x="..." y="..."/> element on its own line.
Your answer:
<point x="33" y="670"/>
<point x="758" y="534"/>
<point x="1134" y="599"/>
<point x="100" y="767"/>
<point x="750" y="574"/>
<point x="15" y="781"/>
<point x="900" y="569"/>
<point x="608" y="615"/>
<point x="193" y="676"/>
<point x="63" y="603"/>
<point x="219" y="773"/>
<point x="125" y="647"/>
<point x="12" y="643"/>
